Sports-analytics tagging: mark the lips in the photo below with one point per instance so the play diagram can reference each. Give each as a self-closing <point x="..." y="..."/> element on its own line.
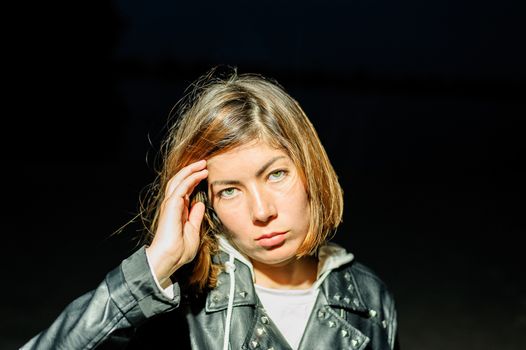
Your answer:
<point x="271" y="240"/>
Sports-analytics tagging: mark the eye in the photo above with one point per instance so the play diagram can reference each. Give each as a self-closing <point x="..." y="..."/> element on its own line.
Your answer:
<point x="277" y="175"/>
<point x="227" y="193"/>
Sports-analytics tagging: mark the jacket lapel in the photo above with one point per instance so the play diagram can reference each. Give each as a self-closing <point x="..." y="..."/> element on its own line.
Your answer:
<point x="244" y="294"/>
<point x="327" y="327"/>
<point x="264" y="334"/>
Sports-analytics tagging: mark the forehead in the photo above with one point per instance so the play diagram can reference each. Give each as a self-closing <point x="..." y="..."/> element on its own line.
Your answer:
<point x="246" y="157"/>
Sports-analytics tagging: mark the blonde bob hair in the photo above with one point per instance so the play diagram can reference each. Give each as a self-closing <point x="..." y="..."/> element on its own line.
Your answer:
<point x="223" y="112"/>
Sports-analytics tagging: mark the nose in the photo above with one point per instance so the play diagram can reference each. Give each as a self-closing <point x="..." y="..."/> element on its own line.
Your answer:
<point x="263" y="208"/>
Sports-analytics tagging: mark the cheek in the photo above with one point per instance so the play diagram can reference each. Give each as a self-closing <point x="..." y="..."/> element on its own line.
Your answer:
<point x="296" y="199"/>
<point x="301" y="209"/>
<point x="233" y="218"/>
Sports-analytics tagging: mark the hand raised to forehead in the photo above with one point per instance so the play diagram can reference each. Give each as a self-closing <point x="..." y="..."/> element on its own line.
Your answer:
<point x="177" y="237"/>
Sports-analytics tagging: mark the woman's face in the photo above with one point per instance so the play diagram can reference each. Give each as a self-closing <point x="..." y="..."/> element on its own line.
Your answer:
<point x="260" y="198"/>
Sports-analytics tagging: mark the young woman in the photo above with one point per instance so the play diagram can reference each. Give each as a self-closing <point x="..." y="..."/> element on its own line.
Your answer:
<point x="237" y="253"/>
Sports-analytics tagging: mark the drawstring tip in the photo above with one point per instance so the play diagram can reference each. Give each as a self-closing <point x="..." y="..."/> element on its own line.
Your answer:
<point x="230" y="266"/>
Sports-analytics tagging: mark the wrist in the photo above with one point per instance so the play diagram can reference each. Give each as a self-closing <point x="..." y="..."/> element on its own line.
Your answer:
<point x="162" y="265"/>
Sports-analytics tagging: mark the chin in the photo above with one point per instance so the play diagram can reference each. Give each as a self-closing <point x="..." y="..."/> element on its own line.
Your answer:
<point x="277" y="256"/>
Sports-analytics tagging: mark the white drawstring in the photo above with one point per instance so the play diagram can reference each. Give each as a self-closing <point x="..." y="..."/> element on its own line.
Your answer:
<point x="230" y="268"/>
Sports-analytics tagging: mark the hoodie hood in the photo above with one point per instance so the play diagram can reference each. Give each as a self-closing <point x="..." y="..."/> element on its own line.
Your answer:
<point x="330" y="257"/>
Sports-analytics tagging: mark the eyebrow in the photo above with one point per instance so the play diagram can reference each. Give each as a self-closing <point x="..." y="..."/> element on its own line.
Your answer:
<point x="258" y="173"/>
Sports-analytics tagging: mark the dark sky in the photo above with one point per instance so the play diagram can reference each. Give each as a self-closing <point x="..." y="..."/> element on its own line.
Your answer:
<point x="420" y="105"/>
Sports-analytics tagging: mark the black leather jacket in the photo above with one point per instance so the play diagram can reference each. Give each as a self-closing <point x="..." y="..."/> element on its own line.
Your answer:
<point x="353" y="310"/>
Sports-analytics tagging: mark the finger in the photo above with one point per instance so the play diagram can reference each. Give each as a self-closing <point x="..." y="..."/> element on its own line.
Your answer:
<point x="188" y="184"/>
<point x="197" y="213"/>
<point x="182" y="174"/>
<point x="192" y="228"/>
<point x="171" y="212"/>
<point x="179" y="198"/>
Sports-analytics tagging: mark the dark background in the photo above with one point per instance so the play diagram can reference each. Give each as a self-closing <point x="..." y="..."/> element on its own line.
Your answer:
<point x="419" y="104"/>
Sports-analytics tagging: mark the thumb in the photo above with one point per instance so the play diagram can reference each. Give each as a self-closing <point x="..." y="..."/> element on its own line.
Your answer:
<point x="196" y="215"/>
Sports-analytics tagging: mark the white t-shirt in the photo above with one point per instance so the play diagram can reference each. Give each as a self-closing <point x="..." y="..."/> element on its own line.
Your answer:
<point x="289" y="309"/>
